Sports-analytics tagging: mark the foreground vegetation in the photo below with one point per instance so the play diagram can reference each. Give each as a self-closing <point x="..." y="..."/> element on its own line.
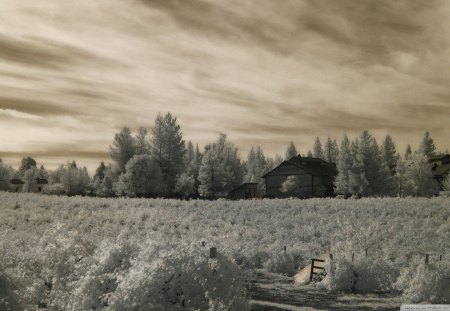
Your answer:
<point x="81" y="253"/>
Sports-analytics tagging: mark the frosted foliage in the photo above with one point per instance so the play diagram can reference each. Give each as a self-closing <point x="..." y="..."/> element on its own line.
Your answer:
<point x="80" y="252"/>
<point x="363" y="276"/>
<point x="416" y="177"/>
<point x="281" y="262"/>
<point x="429" y="283"/>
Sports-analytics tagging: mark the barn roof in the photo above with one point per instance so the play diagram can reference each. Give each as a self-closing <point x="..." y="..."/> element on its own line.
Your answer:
<point x="16" y="181"/>
<point x="41" y="181"/>
<point x="315" y="166"/>
<point x="438" y="157"/>
<point x="441" y="170"/>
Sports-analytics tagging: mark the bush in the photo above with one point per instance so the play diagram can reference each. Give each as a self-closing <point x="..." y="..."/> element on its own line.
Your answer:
<point x="426" y="283"/>
<point x="157" y="277"/>
<point x="282" y="263"/>
<point x="364" y="276"/>
<point x="54" y="189"/>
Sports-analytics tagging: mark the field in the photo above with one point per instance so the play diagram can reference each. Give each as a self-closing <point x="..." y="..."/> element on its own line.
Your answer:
<point x="81" y="253"/>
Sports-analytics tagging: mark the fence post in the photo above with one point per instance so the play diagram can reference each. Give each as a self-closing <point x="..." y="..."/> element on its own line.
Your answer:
<point x="312" y="270"/>
<point x="366" y="252"/>
<point x="440" y="257"/>
<point x="427" y="257"/>
<point x="285" y="248"/>
<point x="353" y="257"/>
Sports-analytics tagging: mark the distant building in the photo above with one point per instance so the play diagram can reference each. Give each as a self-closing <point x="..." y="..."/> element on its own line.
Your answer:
<point x="441" y="167"/>
<point x="16" y="185"/>
<point x="245" y="191"/>
<point x="315" y="177"/>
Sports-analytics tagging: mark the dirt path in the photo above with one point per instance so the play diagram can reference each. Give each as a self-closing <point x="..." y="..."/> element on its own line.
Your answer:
<point x="270" y="292"/>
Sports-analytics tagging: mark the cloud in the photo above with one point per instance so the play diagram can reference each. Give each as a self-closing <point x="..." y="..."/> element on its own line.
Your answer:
<point x="265" y="72"/>
<point x="18" y="114"/>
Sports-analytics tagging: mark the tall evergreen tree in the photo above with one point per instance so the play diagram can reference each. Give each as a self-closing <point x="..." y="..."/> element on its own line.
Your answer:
<point x="427" y="146"/>
<point x="344" y="167"/>
<point x="331" y="151"/>
<point x="408" y="152"/>
<point x="168" y="148"/>
<point x="369" y="175"/>
<point x="317" y="149"/>
<point x="123" y="148"/>
<point x="389" y="153"/>
<point x="291" y="151"/>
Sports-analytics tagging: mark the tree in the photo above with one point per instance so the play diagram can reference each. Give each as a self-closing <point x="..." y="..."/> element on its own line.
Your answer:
<point x="408" y="152"/>
<point x="331" y="151"/>
<point x="291" y="151"/>
<point x="309" y="154"/>
<point x="255" y="166"/>
<point x="168" y="148"/>
<point x="142" y="142"/>
<point x="100" y="171"/>
<point x="344" y="167"/>
<point x="221" y="169"/>
<point x="317" y="149"/>
<point x="389" y="153"/>
<point x="74" y="180"/>
<point x="6" y="173"/>
<point x="43" y="173"/>
<point x="369" y="175"/>
<point x="427" y="146"/>
<point x="415" y="177"/>
<point x="142" y="178"/>
<point x="185" y="185"/>
<point x="26" y="164"/>
<point x="105" y="186"/>
<point x="123" y="148"/>
<point x="29" y="178"/>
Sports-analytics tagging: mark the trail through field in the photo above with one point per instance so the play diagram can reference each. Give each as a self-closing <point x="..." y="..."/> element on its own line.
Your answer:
<point x="271" y="292"/>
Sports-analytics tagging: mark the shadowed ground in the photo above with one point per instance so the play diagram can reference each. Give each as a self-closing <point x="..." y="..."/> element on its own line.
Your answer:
<point x="270" y="292"/>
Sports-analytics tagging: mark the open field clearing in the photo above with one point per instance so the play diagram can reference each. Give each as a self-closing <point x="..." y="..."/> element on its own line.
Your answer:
<point x="82" y="253"/>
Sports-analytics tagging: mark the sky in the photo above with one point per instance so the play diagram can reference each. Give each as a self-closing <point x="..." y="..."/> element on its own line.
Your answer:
<point x="265" y="72"/>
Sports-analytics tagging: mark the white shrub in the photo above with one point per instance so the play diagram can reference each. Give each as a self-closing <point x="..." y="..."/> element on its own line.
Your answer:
<point x="364" y="276"/>
<point x="281" y="262"/>
<point x="426" y="283"/>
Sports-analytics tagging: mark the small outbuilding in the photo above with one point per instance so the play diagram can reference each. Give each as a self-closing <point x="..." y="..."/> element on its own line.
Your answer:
<point x="16" y="185"/>
<point x="245" y="191"/>
<point x="315" y="178"/>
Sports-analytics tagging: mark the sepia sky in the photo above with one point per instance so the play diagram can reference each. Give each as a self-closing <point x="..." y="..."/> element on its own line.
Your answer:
<point x="265" y="72"/>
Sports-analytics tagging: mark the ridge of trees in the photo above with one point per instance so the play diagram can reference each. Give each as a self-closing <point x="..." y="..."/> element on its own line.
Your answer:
<point x="160" y="163"/>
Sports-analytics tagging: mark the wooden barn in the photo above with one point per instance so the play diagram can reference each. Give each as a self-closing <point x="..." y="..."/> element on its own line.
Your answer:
<point x="315" y="178"/>
<point x="245" y="191"/>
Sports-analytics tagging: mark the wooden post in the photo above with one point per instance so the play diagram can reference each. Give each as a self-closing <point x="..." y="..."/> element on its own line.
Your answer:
<point x="312" y="270"/>
<point x="440" y="257"/>
<point x="285" y="248"/>
<point x="203" y="243"/>
<point x="331" y="256"/>
<point x="366" y="252"/>
<point x="353" y="257"/>
<point x="427" y="258"/>
<point x="213" y="252"/>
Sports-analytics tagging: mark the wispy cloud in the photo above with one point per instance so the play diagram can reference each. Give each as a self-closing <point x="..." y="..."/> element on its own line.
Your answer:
<point x="265" y="72"/>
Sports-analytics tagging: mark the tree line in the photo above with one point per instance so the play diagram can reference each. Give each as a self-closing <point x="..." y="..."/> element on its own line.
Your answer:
<point x="159" y="163"/>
